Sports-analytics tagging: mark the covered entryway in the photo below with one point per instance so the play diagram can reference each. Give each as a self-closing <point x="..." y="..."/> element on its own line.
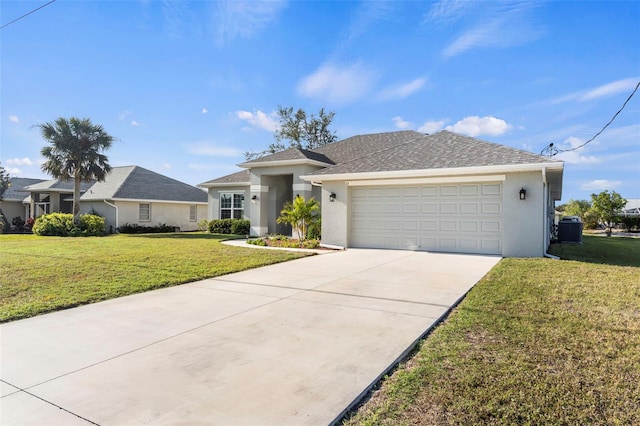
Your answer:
<point x="457" y="218"/>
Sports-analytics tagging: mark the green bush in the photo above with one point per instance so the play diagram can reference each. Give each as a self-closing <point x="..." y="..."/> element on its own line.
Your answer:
<point x="92" y="225"/>
<point x="259" y="242"/>
<point x="56" y="224"/>
<point x="230" y="226"/>
<point x="629" y="223"/>
<point x="134" y="228"/>
<point x="61" y="225"/>
<point x="203" y="225"/>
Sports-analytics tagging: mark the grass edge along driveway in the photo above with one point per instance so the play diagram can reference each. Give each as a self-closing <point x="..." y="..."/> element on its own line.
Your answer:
<point x="45" y="274"/>
<point x="536" y="341"/>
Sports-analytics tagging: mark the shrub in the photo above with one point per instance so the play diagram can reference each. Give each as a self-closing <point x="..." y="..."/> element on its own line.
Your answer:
<point x="134" y="228"/>
<point x="203" y="225"/>
<point x="92" y="225"/>
<point x="230" y="226"/>
<point x="56" y="224"/>
<point x="259" y="242"/>
<point x="629" y="223"/>
<point x="240" y="227"/>
<point x="29" y="223"/>
<point x="18" y="222"/>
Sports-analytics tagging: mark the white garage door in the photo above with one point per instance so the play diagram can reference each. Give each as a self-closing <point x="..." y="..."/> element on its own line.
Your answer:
<point x="461" y="218"/>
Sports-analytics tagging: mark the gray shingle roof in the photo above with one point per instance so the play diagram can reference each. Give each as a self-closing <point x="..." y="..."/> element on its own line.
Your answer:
<point x="138" y="183"/>
<point x="240" y="177"/>
<point x="438" y="151"/>
<point x="56" y="185"/>
<point x="16" y="191"/>
<point x="291" y="154"/>
<point x="356" y="146"/>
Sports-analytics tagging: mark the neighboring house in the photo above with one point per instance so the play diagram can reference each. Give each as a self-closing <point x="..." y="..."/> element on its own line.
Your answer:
<point x="15" y="202"/>
<point x="129" y="195"/>
<point x="632" y="208"/>
<point x="404" y="190"/>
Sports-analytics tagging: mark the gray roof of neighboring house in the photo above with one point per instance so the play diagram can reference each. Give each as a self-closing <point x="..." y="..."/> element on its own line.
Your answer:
<point x="56" y="185"/>
<point x="138" y="183"/>
<point x="441" y="150"/>
<point x="241" y="177"/>
<point x="292" y="154"/>
<point x="16" y="191"/>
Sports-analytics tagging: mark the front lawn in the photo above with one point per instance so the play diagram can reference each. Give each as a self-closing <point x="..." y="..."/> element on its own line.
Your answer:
<point x="537" y="341"/>
<point x="44" y="274"/>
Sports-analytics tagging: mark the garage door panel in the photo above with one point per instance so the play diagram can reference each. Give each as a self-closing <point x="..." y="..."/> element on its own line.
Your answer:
<point x="465" y="218"/>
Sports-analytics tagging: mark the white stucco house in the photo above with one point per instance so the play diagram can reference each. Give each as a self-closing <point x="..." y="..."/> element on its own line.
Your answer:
<point x="14" y="203"/>
<point x="404" y="190"/>
<point x="130" y="194"/>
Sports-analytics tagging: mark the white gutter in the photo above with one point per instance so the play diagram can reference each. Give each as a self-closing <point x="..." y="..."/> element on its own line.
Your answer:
<point x="116" y="208"/>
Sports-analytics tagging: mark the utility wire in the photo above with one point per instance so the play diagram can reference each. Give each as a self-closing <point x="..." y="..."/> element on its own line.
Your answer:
<point x="551" y="151"/>
<point x="26" y="14"/>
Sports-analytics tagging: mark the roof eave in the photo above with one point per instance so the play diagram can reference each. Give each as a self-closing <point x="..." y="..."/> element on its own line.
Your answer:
<point x="456" y="171"/>
<point x="222" y="184"/>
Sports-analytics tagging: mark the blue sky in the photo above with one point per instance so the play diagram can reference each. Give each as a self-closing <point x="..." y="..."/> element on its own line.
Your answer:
<point x="187" y="87"/>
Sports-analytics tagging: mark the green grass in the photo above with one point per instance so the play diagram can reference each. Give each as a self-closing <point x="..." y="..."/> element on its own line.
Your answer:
<point x="44" y="274"/>
<point x="537" y="341"/>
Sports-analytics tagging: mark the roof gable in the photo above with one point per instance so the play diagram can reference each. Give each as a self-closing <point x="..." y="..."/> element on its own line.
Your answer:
<point x="17" y="192"/>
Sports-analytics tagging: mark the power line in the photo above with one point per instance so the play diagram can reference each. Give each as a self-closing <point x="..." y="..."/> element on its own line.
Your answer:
<point x="26" y="14"/>
<point x="551" y="151"/>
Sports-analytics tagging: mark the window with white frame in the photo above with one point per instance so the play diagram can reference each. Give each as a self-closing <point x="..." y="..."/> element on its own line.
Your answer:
<point x="144" y="212"/>
<point x="231" y="205"/>
<point x="193" y="213"/>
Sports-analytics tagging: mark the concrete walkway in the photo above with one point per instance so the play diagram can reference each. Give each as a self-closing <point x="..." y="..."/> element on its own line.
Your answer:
<point x="287" y="344"/>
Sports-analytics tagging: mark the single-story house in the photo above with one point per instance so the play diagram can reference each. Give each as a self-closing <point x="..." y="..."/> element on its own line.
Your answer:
<point x="13" y="203"/>
<point x="404" y="190"/>
<point x="129" y="195"/>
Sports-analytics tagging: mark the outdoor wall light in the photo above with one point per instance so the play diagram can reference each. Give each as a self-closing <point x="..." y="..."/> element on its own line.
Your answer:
<point x="332" y="197"/>
<point x="523" y="194"/>
<point x="254" y="198"/>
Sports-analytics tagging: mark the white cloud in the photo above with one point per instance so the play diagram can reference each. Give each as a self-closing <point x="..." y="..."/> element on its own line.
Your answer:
<point x="332" y="83"/>
<point x="14" y="118"/>
<point x="608" y="89"/>
<point x="123" y="115"/>
<point x="204" y="110"/>
<point x="446" y="11"/>
<point x="432" y="126"/>
<point x="166" y="166"/>
<point x="402" y="91"/>
<point x="260" y="120"/>
<point x="235" y="18"/>
<point x="601" y="185"/>
<point x="400" y="123"/>
<point x="13" y="171"/>
<point x="507" y="27"/>
<point x="576" y="157"/>
<point x="210" y="149"/>
<point x="19" y="162"/>
<point x="476" y="126"/>
<point x="134" y="123"/>
<point x="612" y="88"/>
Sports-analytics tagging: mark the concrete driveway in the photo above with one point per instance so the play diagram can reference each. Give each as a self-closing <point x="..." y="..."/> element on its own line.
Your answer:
<point x="288" y="344"/>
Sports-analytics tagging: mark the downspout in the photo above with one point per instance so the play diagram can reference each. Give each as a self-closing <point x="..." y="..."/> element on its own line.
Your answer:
<point x="545" y="206"/>
<point x="116" y="209"/>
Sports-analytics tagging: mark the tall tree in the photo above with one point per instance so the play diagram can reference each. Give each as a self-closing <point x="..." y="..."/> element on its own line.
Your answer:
<point x="577" y="208"/>
<point x="5" y="182"/>
<point x="75" y="153"/>
<point x="607" y="206"/>
<point x="300" y="130"/>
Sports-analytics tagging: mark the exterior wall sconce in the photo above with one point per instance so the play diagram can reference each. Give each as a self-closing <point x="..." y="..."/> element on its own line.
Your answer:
<point x="254" y="198"/>
<point x="523" y="194"/>
<point x="332" y="197"/>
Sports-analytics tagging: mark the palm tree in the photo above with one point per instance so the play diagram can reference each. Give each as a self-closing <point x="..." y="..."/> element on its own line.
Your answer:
<point x="300" y="214"/>
<point x="75" y="153"/>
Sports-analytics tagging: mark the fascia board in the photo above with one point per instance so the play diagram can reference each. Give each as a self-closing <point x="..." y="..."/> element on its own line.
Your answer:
<point x="138" y="200"/>
<point x="458" y="171"/>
